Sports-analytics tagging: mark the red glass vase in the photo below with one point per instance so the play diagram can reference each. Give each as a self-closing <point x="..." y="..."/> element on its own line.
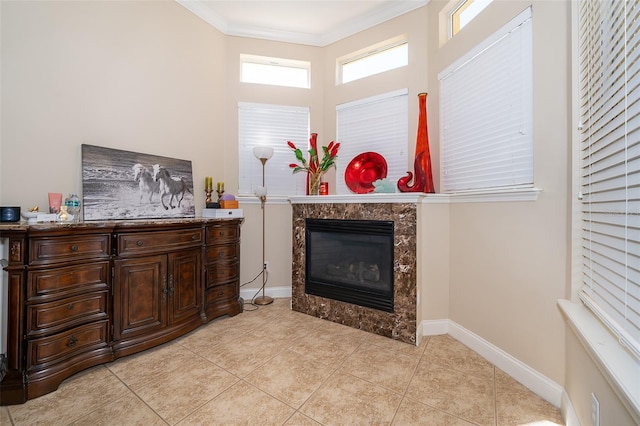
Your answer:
<point x="423" y="179"/>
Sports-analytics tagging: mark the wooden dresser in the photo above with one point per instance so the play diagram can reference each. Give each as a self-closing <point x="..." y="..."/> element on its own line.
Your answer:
<point x="85" y="294"/>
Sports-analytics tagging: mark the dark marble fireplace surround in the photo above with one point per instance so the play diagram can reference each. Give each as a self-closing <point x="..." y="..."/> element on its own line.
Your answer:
<point x="400" y="324"/>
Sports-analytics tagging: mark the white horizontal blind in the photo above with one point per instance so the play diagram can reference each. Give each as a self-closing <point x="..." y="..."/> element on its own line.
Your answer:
<point x="377" y="124"/>
<point x="610" y="164"/>
<point x="271" y="125"/>
<point x="486" y="112"/>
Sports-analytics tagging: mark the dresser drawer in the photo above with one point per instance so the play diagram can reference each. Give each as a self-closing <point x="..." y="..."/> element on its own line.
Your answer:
<point x="53" y="317"/>
<point x="67" y="280"/>
<point x="222" y="233"/>
<point x="64" y="249"/>
<point x="148" y="242"/>
<point x="221" y="273"/>
<point x="222" y="292"/>
<point x="64" y="345"/>
<point x="222" y="253"/>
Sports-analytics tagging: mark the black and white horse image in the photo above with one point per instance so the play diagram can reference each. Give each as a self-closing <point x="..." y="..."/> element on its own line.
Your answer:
<point x="146" y="183"/>
<point x="175" y="187"/>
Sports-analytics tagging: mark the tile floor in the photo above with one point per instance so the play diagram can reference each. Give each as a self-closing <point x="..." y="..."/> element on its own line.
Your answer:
<point x="273" y="366"/>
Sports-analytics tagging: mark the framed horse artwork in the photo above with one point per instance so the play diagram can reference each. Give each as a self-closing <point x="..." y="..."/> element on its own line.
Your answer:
<point x="119" y="184"/>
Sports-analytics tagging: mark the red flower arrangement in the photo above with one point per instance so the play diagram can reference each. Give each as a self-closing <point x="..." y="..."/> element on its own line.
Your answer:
<point x="315" y="168"/>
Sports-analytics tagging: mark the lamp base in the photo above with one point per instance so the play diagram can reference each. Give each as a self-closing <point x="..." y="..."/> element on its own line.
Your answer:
<point x="263" y="300"/>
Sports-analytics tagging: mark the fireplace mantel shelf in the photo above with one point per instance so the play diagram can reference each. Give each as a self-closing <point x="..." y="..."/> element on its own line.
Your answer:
<point x="405" y="197"/>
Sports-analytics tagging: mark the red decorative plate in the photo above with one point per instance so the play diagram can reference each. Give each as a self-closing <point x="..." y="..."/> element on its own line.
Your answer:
<point x="363" y="170"/>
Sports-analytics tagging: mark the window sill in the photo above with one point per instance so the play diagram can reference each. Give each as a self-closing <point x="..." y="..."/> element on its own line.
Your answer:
<point x="618" y="366"/>
<point x="496" y="195"/>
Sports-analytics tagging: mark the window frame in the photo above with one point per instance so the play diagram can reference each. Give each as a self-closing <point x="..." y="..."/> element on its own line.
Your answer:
<point x="276" y="63"/>
<point x="368" y="52"/>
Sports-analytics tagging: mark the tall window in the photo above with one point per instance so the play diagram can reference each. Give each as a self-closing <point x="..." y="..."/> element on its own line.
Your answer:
<point x="378" y="124"/>
<point x="610" y="164"/>
<point x="271" y="125"/>
<point x="486" y="113"/>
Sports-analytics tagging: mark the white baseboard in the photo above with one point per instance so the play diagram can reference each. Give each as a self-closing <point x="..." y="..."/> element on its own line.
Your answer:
<point x="275" y="292"/>
<point x="541" y="385"/>
<point x="568" y="413"/>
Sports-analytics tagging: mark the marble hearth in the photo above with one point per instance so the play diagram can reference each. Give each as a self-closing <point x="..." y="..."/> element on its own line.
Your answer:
<point x="402" y="210"/>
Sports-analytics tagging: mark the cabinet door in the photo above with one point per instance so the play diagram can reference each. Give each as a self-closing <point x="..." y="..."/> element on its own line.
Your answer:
<point x="185" y="287"/>
<point x="140" y="296"/>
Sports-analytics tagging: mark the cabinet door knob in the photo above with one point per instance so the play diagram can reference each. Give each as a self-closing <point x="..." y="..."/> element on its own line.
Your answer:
<point x="139" y="243"/>
<point x="221" y="293"/>
<point x="194" y="237"/>
<point x="222" y="233"/>
<point x="220" y="254"/>
<point x="70" y="307"/>
<point x="72" y="341"/>
<point x="74" y="248"/>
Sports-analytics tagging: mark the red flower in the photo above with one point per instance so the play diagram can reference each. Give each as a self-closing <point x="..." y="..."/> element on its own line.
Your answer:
<point x="314" y="165"/>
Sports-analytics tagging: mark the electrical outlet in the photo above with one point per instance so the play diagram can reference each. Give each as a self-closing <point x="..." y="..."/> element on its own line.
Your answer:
<point x="595" y="410"/>
<point x="266" y="265"/>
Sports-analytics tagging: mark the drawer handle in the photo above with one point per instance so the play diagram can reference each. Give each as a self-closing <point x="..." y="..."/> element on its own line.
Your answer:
<point x="74" y="248"/>
<point x="221" y="293"/>
<point x="70" y="307"/>
<point x="222" y="233"/>
<point x="72" y="341"/>
<point x="220" y="254"/>
<point x="194" y="237"/>
<point x="139" y="243"/>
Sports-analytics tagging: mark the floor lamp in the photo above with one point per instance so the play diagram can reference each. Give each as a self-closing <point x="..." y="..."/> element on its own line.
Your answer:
<point x="263" y="153"/>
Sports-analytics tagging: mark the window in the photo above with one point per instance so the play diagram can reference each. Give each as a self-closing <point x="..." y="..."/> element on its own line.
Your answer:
<point x="271" y="125"/>
<point x="374" y="60"/>
<point x="486" y="113"/>
<point x="465" y="12"/>
<point x="274" y="71"/>
<point x="377" y="124"/>
<point x="609" y="63"/>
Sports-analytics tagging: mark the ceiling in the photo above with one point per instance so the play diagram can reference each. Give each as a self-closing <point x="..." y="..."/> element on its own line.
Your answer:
<point x="311" y="22"/>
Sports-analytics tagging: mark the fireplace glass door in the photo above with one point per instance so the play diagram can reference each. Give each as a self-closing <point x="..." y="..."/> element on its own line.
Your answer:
<point x="350" y="261"/>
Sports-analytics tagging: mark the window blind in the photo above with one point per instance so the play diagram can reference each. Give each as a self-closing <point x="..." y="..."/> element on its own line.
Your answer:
<point x="378" y="124"/>
<point x="486" y="112"/>
<point x="609" y="64"/>
<point x="271" y="125"/>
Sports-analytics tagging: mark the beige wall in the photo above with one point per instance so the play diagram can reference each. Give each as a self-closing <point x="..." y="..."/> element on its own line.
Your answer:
<point x="509" y="260"/>
<point x="140" y="76"/>
<point x="151" y="77"/>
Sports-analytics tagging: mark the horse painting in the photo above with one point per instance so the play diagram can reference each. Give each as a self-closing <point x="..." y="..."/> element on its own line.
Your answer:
<point x="172" y="186"/>
<point x="146" y="183"/>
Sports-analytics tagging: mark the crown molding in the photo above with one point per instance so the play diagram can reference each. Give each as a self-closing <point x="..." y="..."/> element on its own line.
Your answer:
<point x="345" y="29"/>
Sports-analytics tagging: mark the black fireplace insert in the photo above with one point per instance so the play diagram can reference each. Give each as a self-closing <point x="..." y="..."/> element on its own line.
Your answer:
<point x="350" y="261"/>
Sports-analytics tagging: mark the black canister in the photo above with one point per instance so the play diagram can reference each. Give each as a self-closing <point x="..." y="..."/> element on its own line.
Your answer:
<point x="9" y="214"/>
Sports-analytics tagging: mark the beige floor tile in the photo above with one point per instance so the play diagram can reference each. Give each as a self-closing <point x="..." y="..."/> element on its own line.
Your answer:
<point x="76" y="397"/>
<point x="205" y="340"/>
<point x="397" y="345"/>
<point x="414" y="413"/>
<point x="290" y="377"/>
<point x="382" y="366"/>
<point x="176" y="394"/>
<point x="242" y="404"/>
<point x="145" y="367"/>
<point x="331" y="352"/>
<point x="456" y="393"/>
<point x="447" y="351"/>
<point x="129" y="410"/>
<point x="245" y="354"/>
<point x="348" y="400"/>
<point x="4" y="416"/>
<point x="516" y="404"/>
<point x="299" y="419"/>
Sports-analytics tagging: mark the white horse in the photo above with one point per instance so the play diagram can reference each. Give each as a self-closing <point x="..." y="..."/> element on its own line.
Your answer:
<point x="145" y="180"/>
<point x="175" y="187"/>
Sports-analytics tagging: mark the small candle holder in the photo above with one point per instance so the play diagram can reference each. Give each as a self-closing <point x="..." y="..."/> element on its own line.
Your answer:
<point x="220" y="192"/>
<point x="208" y="193"/>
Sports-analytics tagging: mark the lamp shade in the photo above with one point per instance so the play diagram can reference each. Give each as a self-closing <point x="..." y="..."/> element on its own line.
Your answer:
<point x="263" y="152"/>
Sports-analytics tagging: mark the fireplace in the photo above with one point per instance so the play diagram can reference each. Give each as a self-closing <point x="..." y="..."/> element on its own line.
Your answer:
<point x="400" y="322"/>
<point x="351" y="261"/>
